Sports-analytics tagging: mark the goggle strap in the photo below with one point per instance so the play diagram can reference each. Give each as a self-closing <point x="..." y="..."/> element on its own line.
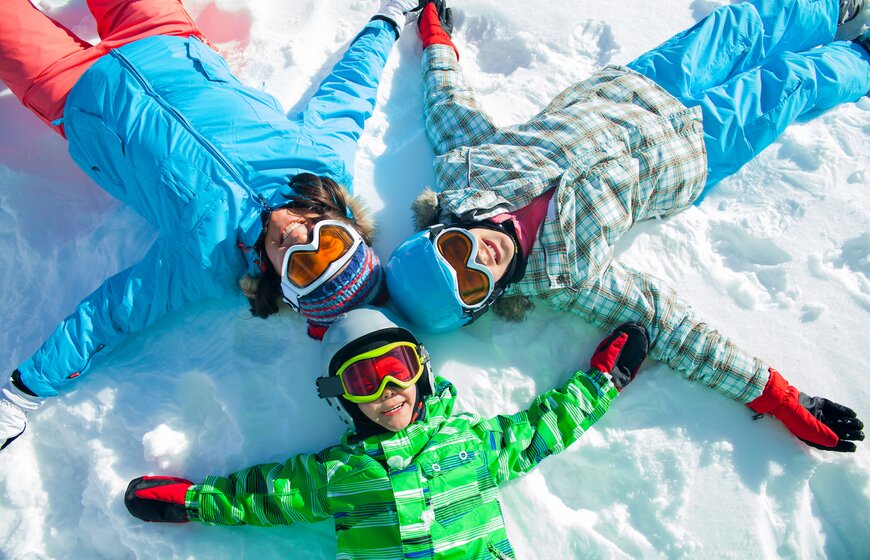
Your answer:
<point x="329" y="387"/>
<point x="292" y="301"/>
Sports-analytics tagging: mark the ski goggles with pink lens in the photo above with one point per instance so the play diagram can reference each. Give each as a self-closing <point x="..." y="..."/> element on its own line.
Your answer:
<point x="363" y="378"/>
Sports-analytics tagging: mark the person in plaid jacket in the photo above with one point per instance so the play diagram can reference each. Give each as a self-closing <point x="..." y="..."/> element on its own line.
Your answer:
<point x="535" y="209"/>
<point x="411" y="479"/>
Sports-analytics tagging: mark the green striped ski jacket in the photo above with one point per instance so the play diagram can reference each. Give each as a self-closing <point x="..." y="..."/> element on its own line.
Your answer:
<point x="429" y="491"/>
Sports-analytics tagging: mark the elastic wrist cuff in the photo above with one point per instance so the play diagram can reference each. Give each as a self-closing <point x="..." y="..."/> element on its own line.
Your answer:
<point x="16" y="380"/>
<point x="395" y="25"/>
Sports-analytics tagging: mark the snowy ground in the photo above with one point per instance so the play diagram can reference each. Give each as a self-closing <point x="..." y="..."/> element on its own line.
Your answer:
<point x="778" y="258"/>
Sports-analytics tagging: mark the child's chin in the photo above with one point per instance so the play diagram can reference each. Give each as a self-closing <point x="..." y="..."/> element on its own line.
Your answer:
<point x="397" y="425"/>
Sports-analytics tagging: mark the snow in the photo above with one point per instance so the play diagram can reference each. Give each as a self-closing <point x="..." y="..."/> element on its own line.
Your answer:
<point x="777" y="258"/>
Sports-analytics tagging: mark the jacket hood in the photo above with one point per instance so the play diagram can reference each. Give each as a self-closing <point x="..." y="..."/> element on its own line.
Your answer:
<point x="362" y="217"/>
<point x="426" y="209"/>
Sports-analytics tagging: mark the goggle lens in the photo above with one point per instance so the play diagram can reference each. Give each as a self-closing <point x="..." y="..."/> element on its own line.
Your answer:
<point x="365" y="377"/>
<point x="456" y="248"/>
<point x="307" y="265"/>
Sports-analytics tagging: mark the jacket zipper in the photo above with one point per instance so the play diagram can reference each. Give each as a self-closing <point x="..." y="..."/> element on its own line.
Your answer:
<point x="215" y="153"/>
<point x="496" y="552"/>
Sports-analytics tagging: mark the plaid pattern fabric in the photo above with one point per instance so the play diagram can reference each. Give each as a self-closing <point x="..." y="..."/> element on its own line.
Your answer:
<point x="430" y="491"/>
<point x="618" y="149"/>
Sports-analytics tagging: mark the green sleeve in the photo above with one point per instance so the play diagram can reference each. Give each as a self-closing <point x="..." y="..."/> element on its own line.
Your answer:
<point x="554" y="421"/>
<point x="263" y="495"/>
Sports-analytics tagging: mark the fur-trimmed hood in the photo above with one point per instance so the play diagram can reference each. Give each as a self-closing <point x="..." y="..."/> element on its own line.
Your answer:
<point x="426" y="209"/>
<point x="362" y="216"/>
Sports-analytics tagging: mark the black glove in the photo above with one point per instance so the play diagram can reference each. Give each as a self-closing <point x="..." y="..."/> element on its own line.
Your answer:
<point x="842" y="420"/>
<point x="445" y="18"/>
<point x="621" y="353"/>
<point x="157" y="498"/>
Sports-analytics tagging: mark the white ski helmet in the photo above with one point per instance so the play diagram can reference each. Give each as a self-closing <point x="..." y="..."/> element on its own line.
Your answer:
<point x="353" y="333"/>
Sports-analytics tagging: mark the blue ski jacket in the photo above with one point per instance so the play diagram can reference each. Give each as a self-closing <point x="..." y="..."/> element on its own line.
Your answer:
<point x="163" y="125"/>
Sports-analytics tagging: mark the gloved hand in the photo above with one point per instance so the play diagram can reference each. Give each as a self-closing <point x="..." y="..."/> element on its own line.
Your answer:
<point x="816" y="421"/>
<point x="621" y="354"/>
<point x="14" y="404"/>
<point x="436" y="25"/>
<point x="157" y="498"/>
<point x="396" y="12"/>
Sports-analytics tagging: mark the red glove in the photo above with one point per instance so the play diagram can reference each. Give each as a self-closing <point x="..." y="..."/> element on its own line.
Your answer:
<point x="621" y="354"/>
<point x="816" y="421"/>
<point x="157" y="498"/>
<point x="436" y="25"/>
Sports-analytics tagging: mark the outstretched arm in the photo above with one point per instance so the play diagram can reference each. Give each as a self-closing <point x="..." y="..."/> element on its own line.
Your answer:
<point x="559" y="417"/>
<point x="263" y="495"/>
<point x="677" y="337"/>
<point x="167" y="278"/>
<point x="337" y="112"/>
<point x="701" y="353"/>
<point x="453" y="117"/>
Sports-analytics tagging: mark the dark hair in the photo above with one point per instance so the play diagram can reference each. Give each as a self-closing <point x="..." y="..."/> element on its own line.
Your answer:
<point x="311" y="193"/>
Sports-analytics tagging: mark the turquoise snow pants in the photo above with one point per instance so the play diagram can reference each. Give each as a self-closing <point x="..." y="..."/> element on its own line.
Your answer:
<point x="753" y="69"/>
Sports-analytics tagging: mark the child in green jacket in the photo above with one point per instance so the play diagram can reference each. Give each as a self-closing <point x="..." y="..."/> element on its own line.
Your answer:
<point x="410" y="479"/>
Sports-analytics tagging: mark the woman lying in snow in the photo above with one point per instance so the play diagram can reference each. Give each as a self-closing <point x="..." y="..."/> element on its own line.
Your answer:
<point x="156" y="118"/>
<point x="534" y="210"/>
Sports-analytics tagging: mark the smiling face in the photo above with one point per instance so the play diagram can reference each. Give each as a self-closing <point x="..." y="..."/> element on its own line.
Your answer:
<point x="495" y="250"/>
<point x="287" y="227"/>
<point x="393" y="409"/>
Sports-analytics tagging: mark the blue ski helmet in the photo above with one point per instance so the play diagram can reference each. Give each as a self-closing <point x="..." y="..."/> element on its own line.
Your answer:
<point x="423" y="286"/>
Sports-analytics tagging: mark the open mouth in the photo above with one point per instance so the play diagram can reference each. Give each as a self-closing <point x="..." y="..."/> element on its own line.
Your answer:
<point x="291" y="227"/>
<point x="393" y="410"/>
<point x="493" y="251"/>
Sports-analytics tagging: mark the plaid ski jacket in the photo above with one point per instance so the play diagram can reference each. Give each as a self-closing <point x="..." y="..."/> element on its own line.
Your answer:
<point x="429" y="491"/>
<point x="618" y="149"/>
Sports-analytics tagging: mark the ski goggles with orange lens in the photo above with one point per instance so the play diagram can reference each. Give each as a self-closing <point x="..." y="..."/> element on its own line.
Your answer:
<point x="473" y="282"/>
<point x="307" y="267"/>
<point x="363" y="378"/>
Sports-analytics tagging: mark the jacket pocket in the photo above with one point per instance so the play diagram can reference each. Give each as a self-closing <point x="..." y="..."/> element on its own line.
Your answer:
<point x="457" y="482"/>
<point x="190" y="197"/>
<point x="98" y="151"/>
<point x="208" y="62"/>
<point x="605" y="194"/>
<point x="516" y="173"/>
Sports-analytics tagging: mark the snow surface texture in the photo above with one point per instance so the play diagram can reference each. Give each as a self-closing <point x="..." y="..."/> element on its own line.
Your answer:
<point x="778" y="258"/>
